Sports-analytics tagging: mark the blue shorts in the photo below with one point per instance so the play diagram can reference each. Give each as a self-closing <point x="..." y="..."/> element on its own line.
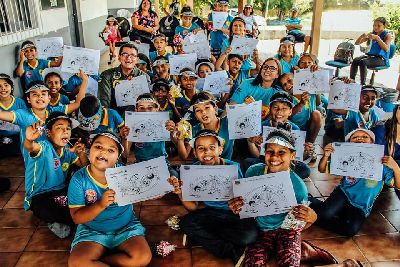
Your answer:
<point x="298" y="36"/>
<point x="108" y="240"/>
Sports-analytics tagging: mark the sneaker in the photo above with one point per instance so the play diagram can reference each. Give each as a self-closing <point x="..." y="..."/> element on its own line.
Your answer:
<point x="59" y="229"/>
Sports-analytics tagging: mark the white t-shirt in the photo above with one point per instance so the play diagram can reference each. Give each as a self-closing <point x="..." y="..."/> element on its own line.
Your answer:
<point x="249" y="21"/>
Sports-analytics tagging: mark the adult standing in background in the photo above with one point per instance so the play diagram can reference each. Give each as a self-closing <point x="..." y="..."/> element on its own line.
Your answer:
<point x="294" y="27"/>
<point x="145" y="24"/>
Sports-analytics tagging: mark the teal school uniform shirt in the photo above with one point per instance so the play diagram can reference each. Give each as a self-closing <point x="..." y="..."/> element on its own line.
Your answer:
<point x="273" y="222"/>
<point x="293" y="21"/>
<point x="153" y="55"/>
<point x="354" y="120"/>
<point x="218" y="37"/>
<point x="33" y="72"/>
<point x="46" y="171"/>
<point x="267" y="122"/>
<point x="16" y="103"/>
<point x="222" y="204"/>
<point x="62" y="100"/>
<point x="222" y="131"/>
<point x="183" y="102"/>
<point x="302" y="117"/>
<point x="84" y="190"/>
<point x="287" y="66"/>
<point x="247" y="64"/>
<point x="75" y="81"/>
<point x="111" y="121"/>
<point x="149" y="150"/>
<point x="185" y="31"/>
<point x="257" y="92"/>
<point x="25" y="117"/>
<point x="239" y="78"/>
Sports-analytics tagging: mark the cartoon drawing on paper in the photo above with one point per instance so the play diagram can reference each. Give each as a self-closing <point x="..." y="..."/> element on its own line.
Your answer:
<point x="356" y="163"/>
<point x="213" y="184"/>
<point x="344" y="96"/>
<point x="50" y="47"/>
<point x="247" y="122"/>
<point x="311" y="82"/>
<point x="149" y="128"/>
<point x="77" y="58"/>
<point x="140" y="183"/>
<point x="270" y="196"/>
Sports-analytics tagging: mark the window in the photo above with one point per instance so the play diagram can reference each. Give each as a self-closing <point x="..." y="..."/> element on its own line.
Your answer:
<point x="18" y="20"/>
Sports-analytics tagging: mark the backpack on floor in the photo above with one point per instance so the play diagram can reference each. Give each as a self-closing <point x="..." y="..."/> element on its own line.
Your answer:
<point x="344" y="52"/>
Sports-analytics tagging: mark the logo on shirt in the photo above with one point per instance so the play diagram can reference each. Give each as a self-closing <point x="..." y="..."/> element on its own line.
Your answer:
<point x="56" y="163"/>
<point x="90" y="196"/>
<point x="361" y="124"/>
<point x="370" y="183"/>
<point x="264" y="112"/>
<point x="28" y="74"/>
<point x="65" y="166"/>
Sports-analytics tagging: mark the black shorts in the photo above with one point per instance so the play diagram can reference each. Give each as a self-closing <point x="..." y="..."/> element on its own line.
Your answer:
<point x="299" y="37"/>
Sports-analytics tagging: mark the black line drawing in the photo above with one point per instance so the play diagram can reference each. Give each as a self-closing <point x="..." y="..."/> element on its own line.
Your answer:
<point x="344" y="96"/>
<point x="139" y="183"/>
<point x="50" y="47"/>
<point x="77" y="58"/>
<point x="356" y="163"/>
<point x="247" y="122"/>
<point x="312" y="82"/>
<point x="127" y="91"/>
<point x="218" y="185"/>
<point x="178" y="62"/>
<point x="243" y="45"/>
<point x="216" y="83"/>
<point x="266" y="196"/>
<point x="146" y="128"/>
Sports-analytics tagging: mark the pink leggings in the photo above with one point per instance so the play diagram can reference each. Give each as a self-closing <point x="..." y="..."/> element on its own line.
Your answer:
<point x="284" y="244"/>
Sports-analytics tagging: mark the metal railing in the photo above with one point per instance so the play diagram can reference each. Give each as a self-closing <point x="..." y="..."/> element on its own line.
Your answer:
<point x="18" y="20"/>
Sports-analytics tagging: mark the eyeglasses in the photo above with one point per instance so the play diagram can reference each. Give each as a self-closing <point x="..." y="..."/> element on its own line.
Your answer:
<point x="271" y="68"/>
<point x="126" y="55"/>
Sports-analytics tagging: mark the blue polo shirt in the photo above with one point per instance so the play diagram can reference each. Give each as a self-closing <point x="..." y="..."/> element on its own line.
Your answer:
<point x="287" y="66"/>
<point x="33" y="73"/>
<point x="111" y="121"/>
<point x="354" y="120"/>
<point x="85" y="190"/>
<point x="239" y="78"/>
<point x="62" y="100"/>
<point x="16" y="103"/>
<point x="46" y="171"/>
<point x="302" y="117"/>
<point x="293" y="21"/>
<point x="257" y="92"/>
<point x="218" y="37"/>
<point x="273" y="222"/>
<point x="222" y="131"/>
<point x="185" y="31"/>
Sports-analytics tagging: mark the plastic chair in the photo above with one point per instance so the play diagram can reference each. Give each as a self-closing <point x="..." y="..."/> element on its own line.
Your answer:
<point x="392" y="51"/>
<point x="336" y="64"/>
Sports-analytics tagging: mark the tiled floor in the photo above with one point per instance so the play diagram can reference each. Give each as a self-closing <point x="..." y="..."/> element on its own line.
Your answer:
<point x="25" y="241"/>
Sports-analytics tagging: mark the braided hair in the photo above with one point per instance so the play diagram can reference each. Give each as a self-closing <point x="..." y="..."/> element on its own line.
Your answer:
<point x="391" y="131"/>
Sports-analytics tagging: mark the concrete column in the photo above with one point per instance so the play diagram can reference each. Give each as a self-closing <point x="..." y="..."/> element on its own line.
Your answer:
<point x="241" y="5"/>
<point x="316" y="26"/>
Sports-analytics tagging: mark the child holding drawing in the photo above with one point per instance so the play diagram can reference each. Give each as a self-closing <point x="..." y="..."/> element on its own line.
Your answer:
<point x="160" y="43"/>
<point x="304" y="113"/>
<point x="29" y="68"/>
<point x="205" y="110"/>
<point x="46" y="171"/>
<point x="350" y="203"/>
<point x="284" y="244"/>
<point x="54" y="82"/>
<point x="225" y="235"/>
<point x="102" y="224"/>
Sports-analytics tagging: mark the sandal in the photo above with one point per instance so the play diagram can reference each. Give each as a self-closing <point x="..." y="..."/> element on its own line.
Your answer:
<point x="314" y="255"/>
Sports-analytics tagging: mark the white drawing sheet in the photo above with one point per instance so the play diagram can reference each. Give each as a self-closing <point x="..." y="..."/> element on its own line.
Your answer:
<point x="244" y="120"/>
<point x="93" y="86"/>
<point x="216" y="83"/>
<point x="357" y="160"/>
<point x="207" y="183"/>
<point x="77" y="58"/>
<point x="299" y="136"/>
<point x="312" y="82"/>
<point x="49" y="47"/>
<point x="200" y="84"/>
<point x="139" y="182"/>
<point x="178" y="62"/>
<point x="6" y="126"/>
<point x="197" y="43"/>
<point x="264" y="195"/>
<point x="127" y="91"/>
<point x="243" y="45"/>
<point x="218" y="19"/>
<point x="383" y="115"/>
<point x="143" y="48"/>
<point x="344" y="96"/>
<point x="147" y="126"/>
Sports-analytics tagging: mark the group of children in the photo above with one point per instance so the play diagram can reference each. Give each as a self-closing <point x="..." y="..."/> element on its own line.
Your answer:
<point x="69" y="141"/>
